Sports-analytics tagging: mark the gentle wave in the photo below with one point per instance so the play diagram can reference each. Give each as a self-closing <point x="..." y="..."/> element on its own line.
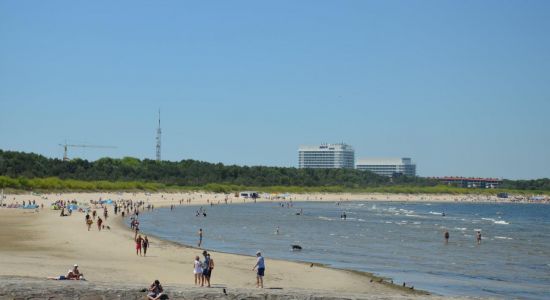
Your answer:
<point x="503" y="238"/>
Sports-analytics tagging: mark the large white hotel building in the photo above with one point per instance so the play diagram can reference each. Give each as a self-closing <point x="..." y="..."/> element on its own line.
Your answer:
<point x="388" y="166"/>
<point x="326" y="156"/>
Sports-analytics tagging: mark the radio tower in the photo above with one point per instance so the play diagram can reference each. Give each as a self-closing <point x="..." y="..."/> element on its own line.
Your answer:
<point x="158" y="139"/>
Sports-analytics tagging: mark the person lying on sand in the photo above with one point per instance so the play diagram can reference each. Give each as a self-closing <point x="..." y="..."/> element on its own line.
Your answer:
<point x="69" y="276"/>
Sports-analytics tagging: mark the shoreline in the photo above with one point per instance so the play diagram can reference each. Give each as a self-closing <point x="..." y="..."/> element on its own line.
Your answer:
<point x="40" y="243"/>
<point x="54" y="243"/>
<point x="371" y="277"/>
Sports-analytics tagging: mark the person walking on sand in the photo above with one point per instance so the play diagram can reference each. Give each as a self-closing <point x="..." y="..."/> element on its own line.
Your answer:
<point x="261" y="270"/>
<point x="139" y="239"/>
<point x="145" y="245"/>
<point x="446" y="236"/>
<point x="99" y="222"/>
<point x="197" y="271"/>
<point x="200" y="237"/>
<point x="89" y="222"/>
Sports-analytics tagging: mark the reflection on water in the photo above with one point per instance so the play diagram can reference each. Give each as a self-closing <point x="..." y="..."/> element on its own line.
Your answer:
<point x="403" y="241"/>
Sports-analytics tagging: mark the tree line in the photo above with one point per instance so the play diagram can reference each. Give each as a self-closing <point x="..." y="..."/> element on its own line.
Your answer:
<point x="131" y="173"/>
<point x="189" y="172"/>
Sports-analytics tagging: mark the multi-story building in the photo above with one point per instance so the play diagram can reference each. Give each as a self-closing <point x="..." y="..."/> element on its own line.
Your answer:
<point x="388" y="166"/>
<point x="470" y="182"/>
<point x="326" y="156"/>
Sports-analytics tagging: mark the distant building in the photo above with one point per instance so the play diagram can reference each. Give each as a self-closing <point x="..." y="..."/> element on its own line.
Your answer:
<point x="387" y="166"/>
<point x="470" y="182"/>
<point x="326" y="156"/>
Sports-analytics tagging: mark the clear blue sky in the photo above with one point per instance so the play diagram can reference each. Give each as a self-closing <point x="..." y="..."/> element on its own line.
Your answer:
<point x="462" y="87"/>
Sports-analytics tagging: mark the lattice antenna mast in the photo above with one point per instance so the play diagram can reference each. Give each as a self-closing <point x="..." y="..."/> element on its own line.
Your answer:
<point x="159" y="132"/>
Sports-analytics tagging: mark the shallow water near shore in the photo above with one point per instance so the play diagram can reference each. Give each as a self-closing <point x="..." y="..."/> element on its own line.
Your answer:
<point x="402" y="241"/>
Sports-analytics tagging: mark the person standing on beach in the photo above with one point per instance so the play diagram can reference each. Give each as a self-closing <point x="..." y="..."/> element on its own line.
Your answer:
<point x="446" y="236"/>
<point x="99" y="222"/>
<point x="261" y="270"/>
<point x="197" y="271"/>
<point x="200" y="237"/>
<point x="89" y="222"/>
<point x="210" y="268"/>
<point x="206" y="269"/>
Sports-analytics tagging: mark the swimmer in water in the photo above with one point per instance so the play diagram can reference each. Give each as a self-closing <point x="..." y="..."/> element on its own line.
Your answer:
<point x="446" y="236"/>
<point x="277" y="230"/>
<point x="200" y="237"/>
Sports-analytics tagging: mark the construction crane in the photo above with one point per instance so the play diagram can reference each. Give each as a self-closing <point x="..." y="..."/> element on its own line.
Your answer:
<point x="66" y="146"/>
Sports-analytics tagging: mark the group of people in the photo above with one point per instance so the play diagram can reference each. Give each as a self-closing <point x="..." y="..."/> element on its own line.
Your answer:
<point x="90" y="220"/>
<point x="203" y="269"/>
<point x="446" y="235"/>
<point x="200" y="212"/>
<point x="141" y="243"/>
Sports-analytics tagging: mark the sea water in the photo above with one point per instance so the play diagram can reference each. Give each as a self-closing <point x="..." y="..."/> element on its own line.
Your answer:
<point x="401" y="241"/>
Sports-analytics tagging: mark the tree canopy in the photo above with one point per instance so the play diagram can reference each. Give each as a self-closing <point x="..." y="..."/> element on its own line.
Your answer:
<point x="187" y="172"/>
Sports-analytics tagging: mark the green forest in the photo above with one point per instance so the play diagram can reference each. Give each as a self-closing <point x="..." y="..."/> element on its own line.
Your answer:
<point x="27" y="171"/>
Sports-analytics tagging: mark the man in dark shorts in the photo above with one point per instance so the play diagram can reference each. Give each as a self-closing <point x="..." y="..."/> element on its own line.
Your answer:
<point x="261" y="270"/>
<point x="206" y="268"/>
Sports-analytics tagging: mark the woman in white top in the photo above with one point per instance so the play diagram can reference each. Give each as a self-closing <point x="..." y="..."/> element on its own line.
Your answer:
<point x="197" y="270"/>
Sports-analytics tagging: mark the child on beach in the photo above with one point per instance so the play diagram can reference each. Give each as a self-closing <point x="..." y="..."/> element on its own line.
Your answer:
<point x="197" y="270"/>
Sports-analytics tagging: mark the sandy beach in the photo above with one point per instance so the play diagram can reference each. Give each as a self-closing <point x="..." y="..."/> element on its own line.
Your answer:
<point x="39" y="243"/>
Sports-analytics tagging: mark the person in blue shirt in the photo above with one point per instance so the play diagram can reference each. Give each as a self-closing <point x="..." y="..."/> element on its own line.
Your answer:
<point x="261" y="270"/>
<point x="206" y="269"/>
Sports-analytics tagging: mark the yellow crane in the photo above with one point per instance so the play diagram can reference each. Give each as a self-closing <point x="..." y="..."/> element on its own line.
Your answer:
<point x="66" y="146"/>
